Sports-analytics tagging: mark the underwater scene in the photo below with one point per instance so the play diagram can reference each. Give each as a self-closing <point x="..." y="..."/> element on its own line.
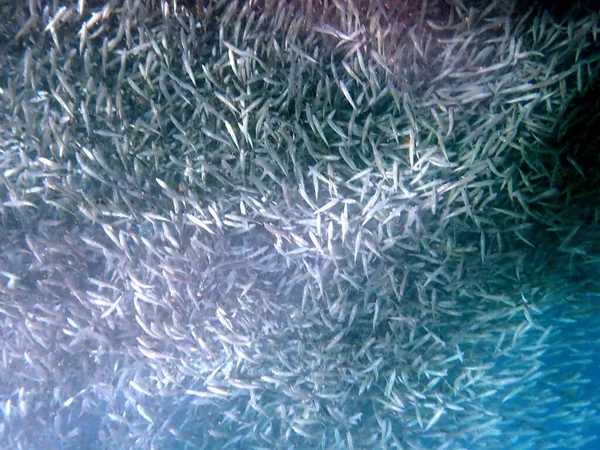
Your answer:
<point x="299" y="224"/>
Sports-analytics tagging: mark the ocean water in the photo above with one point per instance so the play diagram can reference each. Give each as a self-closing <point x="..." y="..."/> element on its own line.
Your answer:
<point x="299" y="225"/>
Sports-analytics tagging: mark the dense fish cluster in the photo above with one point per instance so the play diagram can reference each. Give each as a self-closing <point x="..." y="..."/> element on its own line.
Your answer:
<point x="266" y="224"/>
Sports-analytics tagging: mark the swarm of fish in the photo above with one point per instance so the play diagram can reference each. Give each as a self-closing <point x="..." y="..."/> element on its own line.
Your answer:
<point x="266" y="224"/>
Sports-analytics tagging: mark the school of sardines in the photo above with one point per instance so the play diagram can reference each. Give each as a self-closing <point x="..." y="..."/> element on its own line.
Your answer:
<point x="319" y="224"/>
